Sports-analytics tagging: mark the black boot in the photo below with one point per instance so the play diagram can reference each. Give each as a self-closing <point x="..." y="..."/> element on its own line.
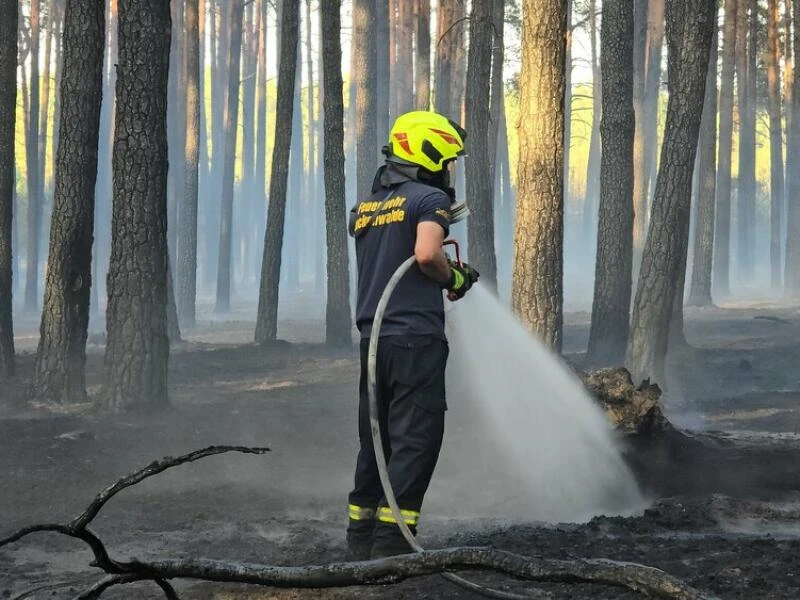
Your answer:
<point x="389" y="541"/>
<point x="359" y="539"/>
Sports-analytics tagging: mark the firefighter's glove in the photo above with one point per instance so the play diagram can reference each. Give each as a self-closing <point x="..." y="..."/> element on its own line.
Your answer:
<point x="462" y="278"/>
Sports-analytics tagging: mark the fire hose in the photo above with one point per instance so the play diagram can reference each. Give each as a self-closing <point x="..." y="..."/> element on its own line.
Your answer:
<point x="377" y="443"/>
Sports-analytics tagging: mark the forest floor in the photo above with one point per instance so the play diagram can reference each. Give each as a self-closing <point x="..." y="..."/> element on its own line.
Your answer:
<point x="739" y="383"/>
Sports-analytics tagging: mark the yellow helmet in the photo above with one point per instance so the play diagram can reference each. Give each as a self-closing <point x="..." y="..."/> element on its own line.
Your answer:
<point x="425" y="139"/>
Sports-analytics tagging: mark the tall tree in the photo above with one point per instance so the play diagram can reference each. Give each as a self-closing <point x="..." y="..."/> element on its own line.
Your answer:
<point x="449" y="50"/>
<point x="230" y="121"/>
<point x="423" y="58"/>
<point x="722" y="233"/>
<point x="792" y="261"/>
<point x="33" y="171"/>
<point x="608" y="336"/>
<point x="640" y="32"/>
<point x="261" y="132"/>
<point x="187" y="222"/>
<point x="478" y="169"/>
<point x="383" y="69"/>
<point x="137" y="351"/>
<point x="700" y="289"/>
<point x="403" y="73"/>
<point x="267" y="319"/>
<point x="746" y="187"/>
<point x="593" y="165"/>
<point x="567" y="98"/>
<point x="690" y="24"/>
<point x="8" y="112"/>
<point x="59" y="374"/>
<point x="497" y="99"/>
<point x="645" y="171"/>
<point x="365" y="78"/>
<point x="538" y="260"/>
<point x="776" y="188"/>
<point x="338" y="323"/>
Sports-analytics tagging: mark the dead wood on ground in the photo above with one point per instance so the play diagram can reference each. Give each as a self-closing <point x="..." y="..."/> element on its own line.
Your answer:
<point x="646" y="580"/>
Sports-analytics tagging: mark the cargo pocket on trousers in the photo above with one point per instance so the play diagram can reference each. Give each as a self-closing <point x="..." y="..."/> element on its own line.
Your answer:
<point x="419" y="371"/>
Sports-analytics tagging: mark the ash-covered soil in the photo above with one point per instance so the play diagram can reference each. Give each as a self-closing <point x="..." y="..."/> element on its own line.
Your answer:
<point x="728" y="522"/>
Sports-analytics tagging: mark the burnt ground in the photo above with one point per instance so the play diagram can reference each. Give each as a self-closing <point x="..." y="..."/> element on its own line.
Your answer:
<point x="727" y="521"/>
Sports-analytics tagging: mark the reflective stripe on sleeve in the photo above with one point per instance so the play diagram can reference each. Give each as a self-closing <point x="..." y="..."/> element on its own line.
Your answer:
<point x="411" y="517"/>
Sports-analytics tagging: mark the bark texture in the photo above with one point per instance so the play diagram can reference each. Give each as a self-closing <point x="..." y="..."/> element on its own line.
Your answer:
<point x="8" y="112"/>
<point x="32" y="169"/>
<point x="722" y="234"/>
<point x="591" y="196"/>
<point x="365" y="82"/>
<point x="478" y="169"/>
<point x="449" y="51"/>
<point x="59" y="374"/>
<point x="537" y="295"/>
<point x="231" y="119"/>
<point x="746" y="185"/>
<point x="608" y="335"/>
<point x="338" y="322"/>
<point x="776" y="187"/>
<point x="690" y="24"/>
<point x="645" y="166"/>
<point x="267" y="319"/>
<point x="137" y="350"/>
<point x="187" y="223"/>
<point x="423" y="58"/>
<point x="700" y="289"/>
<point x="792" y="262"/>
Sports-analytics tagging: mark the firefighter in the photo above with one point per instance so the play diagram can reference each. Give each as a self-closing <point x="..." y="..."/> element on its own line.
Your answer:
<point x="407" y="214"/>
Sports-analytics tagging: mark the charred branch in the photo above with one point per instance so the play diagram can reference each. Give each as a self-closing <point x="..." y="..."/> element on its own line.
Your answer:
<point x="640" y="578"/>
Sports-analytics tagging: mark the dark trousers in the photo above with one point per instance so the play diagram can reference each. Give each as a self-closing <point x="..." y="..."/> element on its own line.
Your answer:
<point x="411" y="406"/>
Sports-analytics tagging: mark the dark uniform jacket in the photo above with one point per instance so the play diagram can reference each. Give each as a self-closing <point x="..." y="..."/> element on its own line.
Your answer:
<point x="384" y="241"/>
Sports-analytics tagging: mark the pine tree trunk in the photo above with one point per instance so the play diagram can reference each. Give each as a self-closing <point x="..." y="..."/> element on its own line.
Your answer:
<point x="33" y="171"/>
<point x="567" y="100"/>
<point x="245" y="219"/>
<point x="450" y="36"/>
<point x="690" y="24"/>
<point x="261" y="134"/>
<point x="383" y="69"/>
<point x="700" y="290"/>
<point x="338" y="323"/>
<point x="722" y="233"/>
<point x="746" y="188"/>
<point x="187" y="222"/>
<point x="176" y="128"/>
<point x="137" y="351"/>
<point x="267" y="319"/>
<point x="403" y="84"/>
<point x="652" y="90"/>
<point x="538" y="261"/>
<point x="291" y="268"/>
<point x="223" y="303"/>
<point x="788" y="77"/>
<point x="44" y="104"/>
<point x="59" y="374"/>
<point x="792" y="261"/>
<point x="8" y="112"/>
<point x="423" y="62"/>
<point x="776" y="189"/>
<point x="593" y="165"/>
<point x="497" y="99"/>
<point x="640" y="193"/>
<point x="365" y="80"/>
<point x="608" y="336"/>
<point x="479" y="183"/>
